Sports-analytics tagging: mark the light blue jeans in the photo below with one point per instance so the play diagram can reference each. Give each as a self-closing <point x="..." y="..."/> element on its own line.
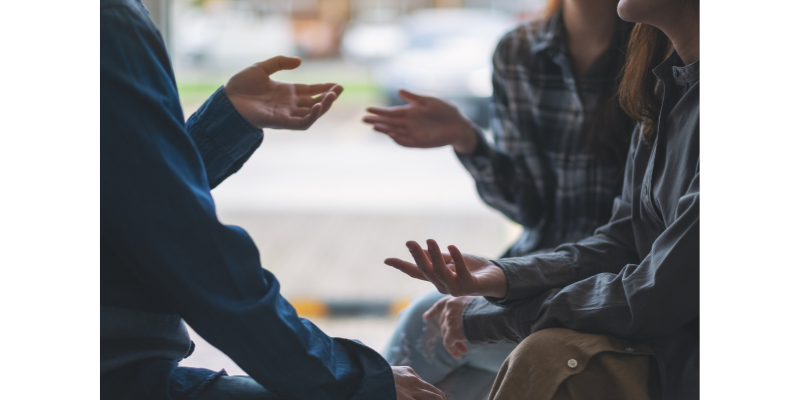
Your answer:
<point x="418" y="344"/>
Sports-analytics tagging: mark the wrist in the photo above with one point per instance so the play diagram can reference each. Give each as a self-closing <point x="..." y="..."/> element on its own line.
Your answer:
<point x="499" y="287"/>
<point x="468" y="139"/>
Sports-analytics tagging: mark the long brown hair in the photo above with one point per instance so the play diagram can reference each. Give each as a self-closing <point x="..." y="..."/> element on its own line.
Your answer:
<point x="607" y="132"/>
<point x="640" y="93"/>
<point x="551" y="7"/>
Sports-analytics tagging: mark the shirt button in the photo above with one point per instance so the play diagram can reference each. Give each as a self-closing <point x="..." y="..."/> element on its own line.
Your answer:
<point x="572" y="363"/>
<point x="630" y="349"/>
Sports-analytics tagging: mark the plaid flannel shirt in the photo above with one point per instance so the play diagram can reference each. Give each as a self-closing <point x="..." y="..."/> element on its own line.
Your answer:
<point x="538" y="172"/>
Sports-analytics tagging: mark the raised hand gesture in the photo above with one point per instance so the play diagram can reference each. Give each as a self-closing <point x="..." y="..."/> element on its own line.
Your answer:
<point x="454" y="273"/>
<point x="269" y="103"/>
<point x="424" y="123"/>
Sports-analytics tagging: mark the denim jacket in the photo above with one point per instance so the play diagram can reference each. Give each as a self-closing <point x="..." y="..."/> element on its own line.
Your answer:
<point x="166" y="258"/>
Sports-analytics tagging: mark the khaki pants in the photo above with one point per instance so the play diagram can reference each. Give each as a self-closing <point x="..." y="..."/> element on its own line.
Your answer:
<point x="562" y="364"/>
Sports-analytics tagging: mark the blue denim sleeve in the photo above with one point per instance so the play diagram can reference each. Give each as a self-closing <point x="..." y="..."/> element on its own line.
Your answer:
<point x="223" y="137"/>
<point x="157" y="214"/>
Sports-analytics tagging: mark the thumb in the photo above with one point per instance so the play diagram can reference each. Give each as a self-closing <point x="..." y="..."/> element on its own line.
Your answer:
<point x="456" y="348"/>
<point x="411" y="97"/>
<point x="279" y="63"/>
<point x="436" y="310"/>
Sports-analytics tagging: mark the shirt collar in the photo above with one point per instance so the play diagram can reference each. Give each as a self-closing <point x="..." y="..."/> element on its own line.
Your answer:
<point x="674" y="69"/>
<point x="550" y="34"/>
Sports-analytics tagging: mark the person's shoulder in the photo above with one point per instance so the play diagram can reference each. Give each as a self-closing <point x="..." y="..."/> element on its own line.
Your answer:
<point x="107" y="4"/>
<point x="526" y="33"/>
<point x="118" y="17"/>
<point x="123" y="8"/>
<point x="519" y="41"/>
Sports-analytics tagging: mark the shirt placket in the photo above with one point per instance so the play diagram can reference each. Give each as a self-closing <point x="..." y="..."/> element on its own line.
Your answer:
<point x="562" y="60"/>
<point x="647" y="185"/>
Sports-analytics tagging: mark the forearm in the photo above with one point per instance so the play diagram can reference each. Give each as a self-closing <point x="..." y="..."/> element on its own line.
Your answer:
<point x="223" y="137"/>
<point x="502" y="183"/>
<point x="467" y="140"/>
<point x="530" y="276"/>
<point x="611" y="248"/>
<point x="651" y="297"/>
<point x="211" y="275"/>
<point x="257" y="332"/>
<point x="485" y="322"/>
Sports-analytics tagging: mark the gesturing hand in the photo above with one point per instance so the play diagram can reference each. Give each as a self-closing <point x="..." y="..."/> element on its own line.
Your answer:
<point x="267" y="103"/>
<point x="410" y="386"/>
<point x="455" y="274"/>
<point x="448" y="311"/>
<point x="424" y="123"/>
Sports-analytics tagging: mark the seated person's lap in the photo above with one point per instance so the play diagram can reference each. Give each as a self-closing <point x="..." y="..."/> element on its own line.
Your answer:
<point x="418" y="344"/>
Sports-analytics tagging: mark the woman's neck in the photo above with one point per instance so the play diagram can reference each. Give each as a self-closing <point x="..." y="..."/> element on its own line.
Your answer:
<point x="590" y="27"/>
<point x="684" y="34"/>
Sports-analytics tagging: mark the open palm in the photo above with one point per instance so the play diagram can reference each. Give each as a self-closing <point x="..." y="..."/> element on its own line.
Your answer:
<point x="424" y="123"/>
<point x="269" y="103"/>
<point x="455" y="273"/>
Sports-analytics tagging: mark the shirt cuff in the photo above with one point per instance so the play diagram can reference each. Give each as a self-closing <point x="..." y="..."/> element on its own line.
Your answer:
<point x="377" y="381"/>
<point x="223" y="137"/>
<point x="480" y="160"/>
<point x="486" y="323"/>
<point x="530" y="276"/>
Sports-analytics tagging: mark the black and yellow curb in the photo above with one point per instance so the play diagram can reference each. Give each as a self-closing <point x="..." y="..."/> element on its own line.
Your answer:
<point x="309" y="308"/>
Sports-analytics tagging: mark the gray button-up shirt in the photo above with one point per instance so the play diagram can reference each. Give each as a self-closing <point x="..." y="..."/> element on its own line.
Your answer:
<point x="638" y="275"/>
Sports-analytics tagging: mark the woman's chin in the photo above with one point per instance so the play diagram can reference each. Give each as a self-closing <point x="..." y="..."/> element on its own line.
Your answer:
<point x="625" y="10"/>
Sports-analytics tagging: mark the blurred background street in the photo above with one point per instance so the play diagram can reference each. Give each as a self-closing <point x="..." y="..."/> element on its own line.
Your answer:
<point x="326" y="206"/>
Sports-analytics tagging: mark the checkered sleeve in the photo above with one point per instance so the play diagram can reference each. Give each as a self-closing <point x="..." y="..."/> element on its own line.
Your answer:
<point x="500" y="169"/>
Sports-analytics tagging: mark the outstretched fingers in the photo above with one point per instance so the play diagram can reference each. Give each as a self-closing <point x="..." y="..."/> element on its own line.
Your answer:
<point x="393" y="131"/>
<point x="317" y="88"/>
<point x="279" y="63"/>
<point x="447" y="258"/>
<point x="397" y="112"/>
<point x="465" y="277"/>
<point x="327" y="101"/>
<point x="308" y="110"/>
<point x="411" y="97"/>
<point x="405" y="267"/>
<point x="447" y="277"/>
<point x="424" y="265"/>
<point x="303" y="123"/>
<point x="391" y="121"/>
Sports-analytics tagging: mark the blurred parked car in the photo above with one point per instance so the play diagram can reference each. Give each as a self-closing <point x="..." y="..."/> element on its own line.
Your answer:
<point x="441" y="52"/>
